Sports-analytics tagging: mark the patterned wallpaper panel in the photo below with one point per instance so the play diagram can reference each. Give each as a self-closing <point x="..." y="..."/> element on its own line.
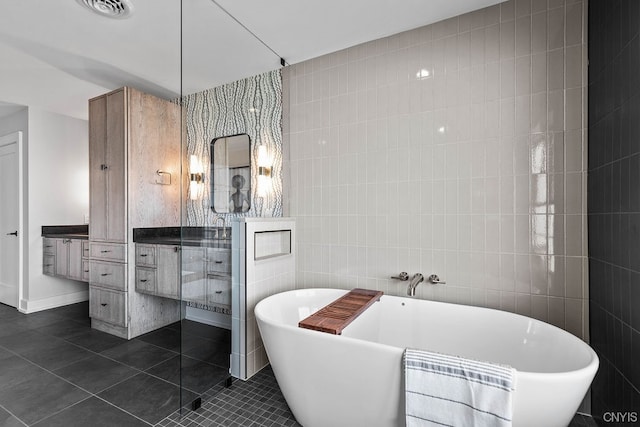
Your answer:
<point x="252" y="106"/>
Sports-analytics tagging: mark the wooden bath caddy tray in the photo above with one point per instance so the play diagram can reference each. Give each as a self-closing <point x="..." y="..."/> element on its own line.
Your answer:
<point x="333" y="318"/>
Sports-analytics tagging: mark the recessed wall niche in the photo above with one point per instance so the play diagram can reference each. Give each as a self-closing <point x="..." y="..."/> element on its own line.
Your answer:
<point x="252" y="106"/>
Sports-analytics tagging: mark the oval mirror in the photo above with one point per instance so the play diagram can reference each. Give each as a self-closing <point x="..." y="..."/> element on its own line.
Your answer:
<point x="231" y="174"/>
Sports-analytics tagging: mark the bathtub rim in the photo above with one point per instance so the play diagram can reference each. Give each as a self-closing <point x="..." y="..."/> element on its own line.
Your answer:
<point x="592" y="365"/>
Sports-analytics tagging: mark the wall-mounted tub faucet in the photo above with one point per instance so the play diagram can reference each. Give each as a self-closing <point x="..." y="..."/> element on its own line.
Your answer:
<point x="415" y="279"/>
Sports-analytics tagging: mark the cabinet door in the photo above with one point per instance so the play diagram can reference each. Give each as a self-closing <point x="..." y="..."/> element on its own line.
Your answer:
<point x="97" y="171"/>
<point x="146" y="280"/>
<point x="85" y="270"/>
<point x="108" y="306"/>
<point x="218" y="260"/>
<point x="75" y="259"/>
<point x="48" y="246"/>
<point x="49" y="265"/>
<point x="145" y="255"/>
<point x="194" y="284"/>
<point x="49" y="257"/>
<point x="108" y="274"/>
<point x="115" y="161"/>
<point x="107" y="130"/>
<point x="62" y="257"/>
<point x="218" y="289"/>
<point x="168" y="270"/>
<point x="193" y="274"/>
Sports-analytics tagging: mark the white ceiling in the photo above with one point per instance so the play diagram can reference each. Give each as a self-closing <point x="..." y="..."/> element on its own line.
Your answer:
<point x="55" y="54"/>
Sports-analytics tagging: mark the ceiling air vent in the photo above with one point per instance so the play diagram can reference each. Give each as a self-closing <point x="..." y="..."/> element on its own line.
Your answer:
<point x="110" y="8"/>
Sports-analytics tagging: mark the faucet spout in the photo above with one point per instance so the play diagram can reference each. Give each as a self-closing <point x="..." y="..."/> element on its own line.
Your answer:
<point x="224" y="228"/>
<point x="413" y="283"/>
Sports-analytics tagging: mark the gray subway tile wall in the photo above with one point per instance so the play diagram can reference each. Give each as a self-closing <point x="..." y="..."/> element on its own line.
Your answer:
<point x="458" y="148"/>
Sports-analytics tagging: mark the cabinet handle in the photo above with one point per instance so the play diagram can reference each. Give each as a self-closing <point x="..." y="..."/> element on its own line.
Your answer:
<point x="218" y="262"/>
<point x="143" y="255"/>
<point x="218" y="292"/>
<point x="104" y="304"/>
<point x="105" y="274"/>
<point x="218" y="276"/>
<point x="104" y="167"/>
<point x="105" y="251"/>
<point x="48" y="265"/>
<point x="143" y="280"/>
<point x="48" y="246"/>
<point x="86" y="271"/>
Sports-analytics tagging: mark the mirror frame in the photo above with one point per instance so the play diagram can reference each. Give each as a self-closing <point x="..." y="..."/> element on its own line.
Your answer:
<point x="212" y="180"/>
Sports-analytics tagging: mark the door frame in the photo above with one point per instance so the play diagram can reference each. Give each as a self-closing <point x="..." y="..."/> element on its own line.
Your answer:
<point x="7" y="140"/>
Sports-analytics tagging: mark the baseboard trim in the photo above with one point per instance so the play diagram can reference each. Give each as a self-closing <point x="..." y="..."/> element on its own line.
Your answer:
<point x="209" y="318"/>
<point x="28" y="306"/>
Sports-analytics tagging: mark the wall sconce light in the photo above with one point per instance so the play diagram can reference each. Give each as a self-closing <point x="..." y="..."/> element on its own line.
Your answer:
<point x="264" y="171"/>
<point x="196" y="183"/>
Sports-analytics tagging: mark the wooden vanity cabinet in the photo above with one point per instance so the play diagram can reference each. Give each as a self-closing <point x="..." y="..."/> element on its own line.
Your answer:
<point x="188" y="273"/>
<point x="132" y="137"/>
<point x="162" y="278"/>
<point x="62" y="257"/>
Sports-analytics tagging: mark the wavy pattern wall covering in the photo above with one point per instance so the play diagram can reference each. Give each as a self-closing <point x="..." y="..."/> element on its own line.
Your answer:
<point x="252" y="106"/>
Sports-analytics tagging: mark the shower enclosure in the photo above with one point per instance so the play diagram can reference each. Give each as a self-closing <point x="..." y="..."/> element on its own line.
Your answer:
<point x="221" y="112"/>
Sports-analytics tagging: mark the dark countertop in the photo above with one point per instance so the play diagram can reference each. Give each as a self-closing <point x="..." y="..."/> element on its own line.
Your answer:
<point x="182" y="236"/>
<point x="66" y="231"/>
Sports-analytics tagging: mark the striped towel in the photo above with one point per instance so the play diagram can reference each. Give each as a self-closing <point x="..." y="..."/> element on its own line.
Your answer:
<point x="443" y="390"/>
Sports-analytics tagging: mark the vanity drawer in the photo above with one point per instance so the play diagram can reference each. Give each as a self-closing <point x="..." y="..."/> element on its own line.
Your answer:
<point x="108" y="274"/>
<point x="48" y="246"/>
<point x="85" y="249"/>
<point x="49" y="264"/>
<point x="85" y="270"/>
<point x="108" y="251"/>
<point x="218" y="289"/>
<point x="218" y="260"/>
<point x="146" y="280"/>
<point x="108" y="306"/>
<point x="145" y="255"/>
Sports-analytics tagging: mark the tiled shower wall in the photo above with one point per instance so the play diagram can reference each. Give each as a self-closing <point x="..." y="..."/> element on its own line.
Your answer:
<point x="458" y="149"/>
<point x="614" y="204"/>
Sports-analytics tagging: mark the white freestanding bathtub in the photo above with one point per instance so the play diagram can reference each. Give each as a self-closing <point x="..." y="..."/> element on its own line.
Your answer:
<point x="357" y="379"/>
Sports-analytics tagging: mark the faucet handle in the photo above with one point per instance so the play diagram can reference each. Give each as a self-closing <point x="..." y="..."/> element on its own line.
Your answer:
<point x="402" y="276"/>
<point x="434" y="279"/>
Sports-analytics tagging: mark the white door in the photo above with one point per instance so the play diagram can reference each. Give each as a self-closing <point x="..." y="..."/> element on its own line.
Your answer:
<point x="9" y="219"/>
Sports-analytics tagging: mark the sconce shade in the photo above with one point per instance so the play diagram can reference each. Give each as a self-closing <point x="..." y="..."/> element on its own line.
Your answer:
<point x="264" y="185"/>
<point x="263" y="156"/>
<point x="264" y="171"/>
<point x="264" y="163"/>
<point x="194" y="191"/>
<point x="195" y="165"/>
<point x="196" y="177"/>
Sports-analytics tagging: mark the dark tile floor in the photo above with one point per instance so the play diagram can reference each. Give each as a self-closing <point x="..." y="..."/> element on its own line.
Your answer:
<point x="56" y="371"/>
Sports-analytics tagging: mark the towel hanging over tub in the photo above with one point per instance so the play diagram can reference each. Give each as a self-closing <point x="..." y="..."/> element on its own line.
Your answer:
<point x="454" y="391"/>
